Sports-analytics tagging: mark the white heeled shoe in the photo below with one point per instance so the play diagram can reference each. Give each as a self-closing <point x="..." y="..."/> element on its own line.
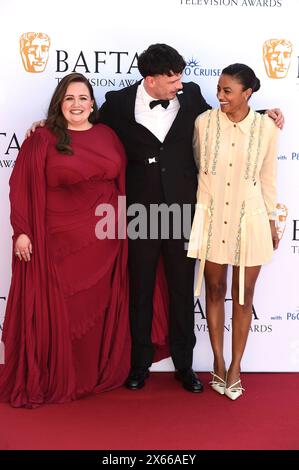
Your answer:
<point x="217" y="385"/>
<point x="234" y="391"/>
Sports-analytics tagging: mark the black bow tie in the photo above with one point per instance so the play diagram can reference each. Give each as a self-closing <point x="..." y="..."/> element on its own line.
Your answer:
<point x="163" y="103"/>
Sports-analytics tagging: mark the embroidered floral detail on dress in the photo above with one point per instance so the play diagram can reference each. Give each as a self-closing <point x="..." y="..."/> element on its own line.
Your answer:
<point x="206" y="160"/>
<point x="217" y="143"/>
<point x="238" y="242"/>
<point x="210" y="229"/>
<point x="250" y="146"/>
<point x="261" y="129"/>
<point x="204" y="156"/>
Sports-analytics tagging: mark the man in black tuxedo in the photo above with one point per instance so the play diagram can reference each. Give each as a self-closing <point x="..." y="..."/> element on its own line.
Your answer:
<point x="155" y="121"/>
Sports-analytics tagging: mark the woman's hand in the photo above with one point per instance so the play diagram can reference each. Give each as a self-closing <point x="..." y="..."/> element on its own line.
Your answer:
<point x="275" y="239"/>
<point x="23" y="247"/>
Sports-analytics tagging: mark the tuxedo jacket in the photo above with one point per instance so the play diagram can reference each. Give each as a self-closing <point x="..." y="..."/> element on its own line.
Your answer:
<point x="174" y="178"/>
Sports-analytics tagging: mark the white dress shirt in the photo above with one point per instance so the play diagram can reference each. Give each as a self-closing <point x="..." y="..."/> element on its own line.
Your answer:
<point x="157" y="120"/>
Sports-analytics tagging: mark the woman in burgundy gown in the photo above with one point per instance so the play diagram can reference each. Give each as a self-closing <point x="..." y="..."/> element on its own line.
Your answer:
<point x="66" y="328"/>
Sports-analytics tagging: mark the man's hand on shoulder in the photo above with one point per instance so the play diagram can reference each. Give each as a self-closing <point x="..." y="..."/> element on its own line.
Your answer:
<point x="277" y="116"/>
<point x="34" y="126"/>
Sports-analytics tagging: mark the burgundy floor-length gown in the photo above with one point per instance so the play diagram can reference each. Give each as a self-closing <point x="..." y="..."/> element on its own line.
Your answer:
<point x="66" y="329"/>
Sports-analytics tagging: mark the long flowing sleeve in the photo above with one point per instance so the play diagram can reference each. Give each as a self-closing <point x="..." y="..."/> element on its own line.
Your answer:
<point x="27" y="186"/>
<point x="32" y="340"/>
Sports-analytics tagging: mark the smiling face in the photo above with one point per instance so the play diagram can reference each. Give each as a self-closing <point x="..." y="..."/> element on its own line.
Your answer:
<point x="76" y="106"/>
<point x="163" y="87"/>
<point x="232" y="98"/>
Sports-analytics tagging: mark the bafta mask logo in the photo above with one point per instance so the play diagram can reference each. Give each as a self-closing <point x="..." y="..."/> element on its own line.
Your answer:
<point x="34" y="50"/>
<point x="282" y="213"/>
<point x="277" y="57"/>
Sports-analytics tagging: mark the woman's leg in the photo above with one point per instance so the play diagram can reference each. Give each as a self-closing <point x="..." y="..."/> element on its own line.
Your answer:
<point x="215" y="282"/>
<point x="241" y="320"/>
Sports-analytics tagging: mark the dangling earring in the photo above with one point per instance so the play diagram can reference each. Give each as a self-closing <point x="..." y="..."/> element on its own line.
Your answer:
<point x="91" y="111"/>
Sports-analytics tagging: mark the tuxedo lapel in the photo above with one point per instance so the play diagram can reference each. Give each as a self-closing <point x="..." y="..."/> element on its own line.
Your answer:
<point x="129" y="102"/>
<point x="181" y="96"/>
<point x="178" y="123"/>
<point x="128" y="111"/>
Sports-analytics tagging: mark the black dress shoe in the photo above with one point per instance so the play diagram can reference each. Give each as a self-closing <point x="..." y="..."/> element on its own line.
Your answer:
<point x="137" y="378"/>
<point x="189" y="380"/>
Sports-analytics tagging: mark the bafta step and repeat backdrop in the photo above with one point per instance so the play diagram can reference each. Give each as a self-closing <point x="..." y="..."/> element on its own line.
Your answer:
<point x="41" y="42"/>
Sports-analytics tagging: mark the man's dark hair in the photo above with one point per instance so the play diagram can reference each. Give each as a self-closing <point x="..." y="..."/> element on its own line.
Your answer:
<point x="160" y="59"/>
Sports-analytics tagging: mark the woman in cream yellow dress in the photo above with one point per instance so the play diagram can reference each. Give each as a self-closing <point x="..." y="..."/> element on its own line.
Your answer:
<point x="235" y="149"/>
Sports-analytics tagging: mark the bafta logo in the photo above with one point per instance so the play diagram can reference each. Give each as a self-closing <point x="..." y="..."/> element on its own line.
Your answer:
<point x="282" y="213"/>
<point x="277" y="57"/>
<point x="34" y="50"/>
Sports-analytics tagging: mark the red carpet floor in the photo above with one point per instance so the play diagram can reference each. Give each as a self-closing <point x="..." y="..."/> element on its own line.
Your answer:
<point x="164" y="416"/>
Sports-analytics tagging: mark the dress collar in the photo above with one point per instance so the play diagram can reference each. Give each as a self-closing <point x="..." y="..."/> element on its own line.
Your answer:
<point x="244" y="125"/>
